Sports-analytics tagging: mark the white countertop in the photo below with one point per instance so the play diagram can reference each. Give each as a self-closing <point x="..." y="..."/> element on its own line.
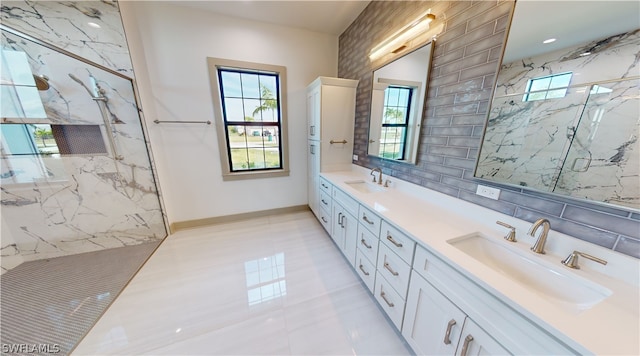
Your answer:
<point x="610" y="327"/>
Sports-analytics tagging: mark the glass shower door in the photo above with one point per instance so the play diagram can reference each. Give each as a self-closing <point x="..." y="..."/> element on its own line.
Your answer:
<point x="605" y="144"/>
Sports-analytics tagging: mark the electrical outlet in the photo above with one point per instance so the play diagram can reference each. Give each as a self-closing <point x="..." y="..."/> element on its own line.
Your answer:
<point x="488" y="192"/>
<point x="355" y="157"/>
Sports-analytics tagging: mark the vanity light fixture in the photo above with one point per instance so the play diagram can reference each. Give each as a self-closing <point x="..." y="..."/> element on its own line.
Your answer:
<point x="398" y="41"/>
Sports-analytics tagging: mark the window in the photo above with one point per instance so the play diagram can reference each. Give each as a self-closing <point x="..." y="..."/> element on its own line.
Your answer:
<point x="250" y="111"/>
<point x="395" y="122"/>
<point x="549" y="87"/>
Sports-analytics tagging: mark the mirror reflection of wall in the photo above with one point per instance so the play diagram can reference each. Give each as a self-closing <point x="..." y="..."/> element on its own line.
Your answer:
<point x="397" y="104"/>
<point x="565" y="120"/>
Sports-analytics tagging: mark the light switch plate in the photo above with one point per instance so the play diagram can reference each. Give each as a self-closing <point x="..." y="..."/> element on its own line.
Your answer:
<point x="355" y="157"/>
<point x="488" y="192"/>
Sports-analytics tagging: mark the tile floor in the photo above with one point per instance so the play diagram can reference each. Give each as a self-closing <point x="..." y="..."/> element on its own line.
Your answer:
<point x="272" y="285"/>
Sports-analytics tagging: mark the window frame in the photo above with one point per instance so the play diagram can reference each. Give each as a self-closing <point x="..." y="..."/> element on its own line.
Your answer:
<point x="228" y="173"/>
<point x="406" y="119"/>
<point x="549" y="88"/>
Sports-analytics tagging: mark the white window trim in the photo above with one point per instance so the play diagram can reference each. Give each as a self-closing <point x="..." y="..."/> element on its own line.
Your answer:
<point x="227" y="175"/>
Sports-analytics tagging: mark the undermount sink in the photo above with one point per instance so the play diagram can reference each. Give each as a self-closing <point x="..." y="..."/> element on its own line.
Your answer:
<point x="364" y="187"/>
<point x="554" y="284"/>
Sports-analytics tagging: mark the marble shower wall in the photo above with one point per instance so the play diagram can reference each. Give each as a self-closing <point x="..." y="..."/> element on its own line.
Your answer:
<point x="526" y="142"/>
<point x="60" y="205"/>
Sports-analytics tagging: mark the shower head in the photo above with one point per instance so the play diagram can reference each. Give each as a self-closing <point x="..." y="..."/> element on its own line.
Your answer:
<point x="42" y="82"/>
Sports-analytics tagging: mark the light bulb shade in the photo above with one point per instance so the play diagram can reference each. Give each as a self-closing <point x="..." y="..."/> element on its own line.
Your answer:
<point x="400" y="37"/>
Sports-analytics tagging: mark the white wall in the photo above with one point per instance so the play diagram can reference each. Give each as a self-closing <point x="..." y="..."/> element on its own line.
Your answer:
<point x="169" y="45"/>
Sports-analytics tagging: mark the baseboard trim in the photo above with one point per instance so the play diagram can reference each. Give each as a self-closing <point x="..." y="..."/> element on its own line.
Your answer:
<point x="188" y="224"/>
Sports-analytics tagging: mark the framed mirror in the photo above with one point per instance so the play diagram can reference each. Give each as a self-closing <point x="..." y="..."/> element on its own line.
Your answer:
<point x="564" y="116"/>
<point x="397" y="103"/>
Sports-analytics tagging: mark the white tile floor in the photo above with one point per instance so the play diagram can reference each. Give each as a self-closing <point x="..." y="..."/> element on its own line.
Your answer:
<point x="273" y="285"/>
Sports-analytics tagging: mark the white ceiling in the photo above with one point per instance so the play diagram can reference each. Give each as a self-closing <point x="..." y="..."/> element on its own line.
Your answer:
<point x="570" y="22"/>
<point x="332" y="17"/>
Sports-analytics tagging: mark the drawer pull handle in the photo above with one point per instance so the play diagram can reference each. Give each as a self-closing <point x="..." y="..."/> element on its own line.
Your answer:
<point x="365" y="243"/>
<point x="363" y="271"/>
<point x="447" y="340"/>
<point x="365" y="218"/>
<point x="324" y="185"/>
<point x="324" y="202"/>
<point x="390" y="238"/>
<point x="340" y="220"/>
<point x="386" y="300"/>
<point x="465" y="346"/>
<point x="388" y="267"/>
<point x="323" y="219"/>
<point x="342" y="142"/>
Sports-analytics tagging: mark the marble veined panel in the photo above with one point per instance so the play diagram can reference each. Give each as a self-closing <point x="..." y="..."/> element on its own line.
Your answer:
<point x="617" y="59"/>
<point x="88" y="209"/>
<point x="603" y="162"/>
<point x="89" y="29"/>
<point x="525" y="142"/>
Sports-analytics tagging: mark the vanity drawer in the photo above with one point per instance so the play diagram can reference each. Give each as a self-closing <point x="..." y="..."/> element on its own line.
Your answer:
<point x="367" y="243"/>
<point x="394" y="269"/>
<point x="347" y="202"/>
<point x="325" y="186"/>
<point x="366" y="270"/>
<point x="370" y="220"/>
<point x="398" y="242"/>
<point x="325" y="219"/>
<point x="325" y="201"/>
<point x="390" y="301"/>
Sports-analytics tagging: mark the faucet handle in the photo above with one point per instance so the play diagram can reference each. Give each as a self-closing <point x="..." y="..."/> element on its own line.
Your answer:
<point x="511" y="235"/>
<point x="572" y="260"/>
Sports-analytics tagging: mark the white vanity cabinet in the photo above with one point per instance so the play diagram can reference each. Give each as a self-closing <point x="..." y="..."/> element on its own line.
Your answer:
<point x="490" y="326"/>
<point x="433" y="325"/>
<point x="330" y="117"/>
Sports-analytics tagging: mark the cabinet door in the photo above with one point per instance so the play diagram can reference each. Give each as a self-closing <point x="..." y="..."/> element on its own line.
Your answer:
<point x="313" y="113"/>
<point x="432" y="324"/>
<point x="475" y="341"/>
<point x="313" y="167"/>
<point x="345" y="232"/>
<point x="337" y="124"/>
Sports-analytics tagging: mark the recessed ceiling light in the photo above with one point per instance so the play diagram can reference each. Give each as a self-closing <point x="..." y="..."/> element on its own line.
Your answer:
<point x="93" y="24"/>
<point x="549" y="40"/>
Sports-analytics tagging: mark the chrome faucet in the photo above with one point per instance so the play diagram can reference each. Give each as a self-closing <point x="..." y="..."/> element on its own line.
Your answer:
<point x="377" y="169"/>
<point x="538" y="246"/>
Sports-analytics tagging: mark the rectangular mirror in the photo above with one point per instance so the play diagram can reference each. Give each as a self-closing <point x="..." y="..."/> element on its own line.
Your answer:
<point x="397" y="102"/>
<point x="564" y="116"/>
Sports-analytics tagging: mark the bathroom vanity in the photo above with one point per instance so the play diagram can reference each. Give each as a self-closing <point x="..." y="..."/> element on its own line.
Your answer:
<point x="446" y="278"/>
